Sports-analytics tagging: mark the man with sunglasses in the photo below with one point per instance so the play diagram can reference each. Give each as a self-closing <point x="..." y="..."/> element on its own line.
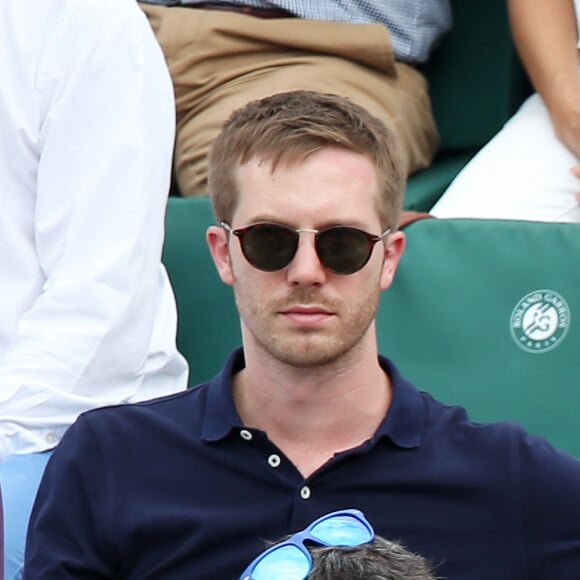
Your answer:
<point x="307" y="418"/>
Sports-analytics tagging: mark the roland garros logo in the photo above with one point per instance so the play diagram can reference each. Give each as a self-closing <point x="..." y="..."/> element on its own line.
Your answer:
<point x="540" y="321"/>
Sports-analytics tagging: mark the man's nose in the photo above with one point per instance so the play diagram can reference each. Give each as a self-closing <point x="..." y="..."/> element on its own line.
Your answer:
<point x="306" y="269"/>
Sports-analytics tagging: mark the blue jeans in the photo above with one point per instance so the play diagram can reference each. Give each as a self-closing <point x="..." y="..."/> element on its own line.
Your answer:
<point x="19" y="479"/>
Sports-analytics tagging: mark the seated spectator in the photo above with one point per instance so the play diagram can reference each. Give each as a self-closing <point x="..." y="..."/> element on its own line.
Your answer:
<point x="307" y="191"/>
<point x="530" y="170"/>
<point x="224" y="54"/>
<point x="338" y="546"/>
<point x="88" y="317"/>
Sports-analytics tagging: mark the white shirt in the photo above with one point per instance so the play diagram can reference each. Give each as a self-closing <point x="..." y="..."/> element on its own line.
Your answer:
<point x="87" y="315"/>
<point x="577" y="8"/>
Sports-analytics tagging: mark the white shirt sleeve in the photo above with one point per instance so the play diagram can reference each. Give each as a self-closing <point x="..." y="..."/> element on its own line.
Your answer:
<point x="99" y="327"/>
<point x="577" y="8"/>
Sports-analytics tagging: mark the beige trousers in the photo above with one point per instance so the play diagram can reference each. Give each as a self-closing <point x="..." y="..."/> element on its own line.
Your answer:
<point x="221" y="60"/>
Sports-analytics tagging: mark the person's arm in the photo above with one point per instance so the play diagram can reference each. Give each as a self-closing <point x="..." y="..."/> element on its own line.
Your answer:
<point x="69" y="534"/>
<point x="546" y="37"/>
<point x="106" y="111"/>
<point x="548" y="499"/>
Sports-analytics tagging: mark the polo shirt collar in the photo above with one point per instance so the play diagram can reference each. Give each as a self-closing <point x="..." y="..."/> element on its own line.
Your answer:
<point x="221" y="415"/>
<point x="403" y="424"/>
<point x="407" y="414"/>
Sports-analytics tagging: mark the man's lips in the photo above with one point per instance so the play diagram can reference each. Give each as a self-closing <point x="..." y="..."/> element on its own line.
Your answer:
<point x="306" y="315"/>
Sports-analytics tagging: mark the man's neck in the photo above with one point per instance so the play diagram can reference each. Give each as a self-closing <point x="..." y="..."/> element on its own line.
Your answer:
<point x="311" y="414"/>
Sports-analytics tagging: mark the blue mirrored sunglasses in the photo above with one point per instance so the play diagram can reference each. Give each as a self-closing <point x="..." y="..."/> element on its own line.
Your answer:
<point x="291" y="559"/>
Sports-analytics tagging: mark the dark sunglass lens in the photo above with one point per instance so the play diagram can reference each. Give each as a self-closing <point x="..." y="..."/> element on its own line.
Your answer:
<point x="344" y="250"/>
<point x="269" y="247"/>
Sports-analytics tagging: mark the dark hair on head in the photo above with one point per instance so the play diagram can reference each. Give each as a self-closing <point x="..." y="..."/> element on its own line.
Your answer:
<point x="286" y="128"/>
<point x="379" y="560"/>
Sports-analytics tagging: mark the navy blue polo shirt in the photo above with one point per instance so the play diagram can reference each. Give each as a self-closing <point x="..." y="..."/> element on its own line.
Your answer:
<point x="178" y="488"/>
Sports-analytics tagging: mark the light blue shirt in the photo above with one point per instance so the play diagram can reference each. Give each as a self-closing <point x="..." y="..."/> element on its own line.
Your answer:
<point x="415" y="25"/>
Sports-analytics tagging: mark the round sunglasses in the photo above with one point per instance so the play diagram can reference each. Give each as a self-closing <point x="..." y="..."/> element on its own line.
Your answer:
<point x="270" y="247"/>
<point x="291" y="559"/>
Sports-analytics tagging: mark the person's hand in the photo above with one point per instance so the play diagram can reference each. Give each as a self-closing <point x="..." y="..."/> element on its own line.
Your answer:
<point x="570" y="136"/>
<point x="566" y="119"/>
<point x="576" y="171"/>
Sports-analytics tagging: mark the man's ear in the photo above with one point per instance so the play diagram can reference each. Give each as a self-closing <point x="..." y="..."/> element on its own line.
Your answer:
<point x="217" y="240"/>
<point x="394" y="248"/>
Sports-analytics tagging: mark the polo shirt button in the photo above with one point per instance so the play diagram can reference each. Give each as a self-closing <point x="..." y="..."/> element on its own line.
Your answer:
<point x="274" y="460"/>
<point x="305" y="492"/>
<point x="245" y="434"/>
<point x="50" y="438"/>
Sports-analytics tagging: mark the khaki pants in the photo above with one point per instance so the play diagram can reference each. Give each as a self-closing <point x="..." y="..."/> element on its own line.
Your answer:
<point x="221" y="60"/>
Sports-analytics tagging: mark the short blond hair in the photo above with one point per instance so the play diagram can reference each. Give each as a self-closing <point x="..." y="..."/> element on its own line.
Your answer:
<point x="286" y="128"/>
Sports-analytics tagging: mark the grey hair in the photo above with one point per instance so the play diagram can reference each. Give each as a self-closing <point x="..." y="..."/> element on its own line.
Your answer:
<point x="379" y="560"/>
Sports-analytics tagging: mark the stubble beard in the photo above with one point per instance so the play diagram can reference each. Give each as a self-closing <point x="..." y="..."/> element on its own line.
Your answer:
<point x="305" y="347"/>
